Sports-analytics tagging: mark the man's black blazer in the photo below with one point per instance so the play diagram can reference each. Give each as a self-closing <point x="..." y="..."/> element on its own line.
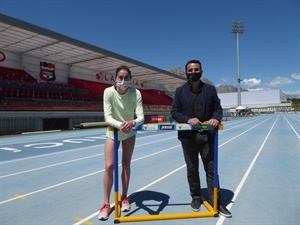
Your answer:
<point x="182" y="106"/>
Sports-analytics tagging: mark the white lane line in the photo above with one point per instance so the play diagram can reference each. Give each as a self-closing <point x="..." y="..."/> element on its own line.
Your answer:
<point x="143" y="188"/>
<point x="83" y="220"/>
<point x="67" y="151"/>
<point x="241" y="184"/>
<point x="49" y="166"/>
<point x="242" y="124"/>
<point x="69" y="181"/>
<point x="74" y="160"/>
<point x="79" y="178"/>
<point x="50" y="154"/>
<point x="242" y="133"/>
<point x="53" y="186"/>
<point x="10" y="149"/>
<point x="292" y="127"/>
<point x="293" y="116"/>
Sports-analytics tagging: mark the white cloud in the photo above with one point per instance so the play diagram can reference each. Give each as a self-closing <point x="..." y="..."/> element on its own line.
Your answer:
<point x="252" y="82"/>
<point x="295" y="76"/>
<point x="280" y="81"/>
<point x="226" y="80"/>
<point x="297" y="92"/>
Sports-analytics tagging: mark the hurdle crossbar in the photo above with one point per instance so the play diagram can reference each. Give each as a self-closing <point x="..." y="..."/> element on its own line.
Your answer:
<point x="211" y="210"/>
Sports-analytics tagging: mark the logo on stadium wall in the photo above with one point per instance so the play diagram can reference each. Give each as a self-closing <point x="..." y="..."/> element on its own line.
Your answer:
<point x="2" y="56"/>
<point x="110" y="79"/>
<point x="47" y="71"/>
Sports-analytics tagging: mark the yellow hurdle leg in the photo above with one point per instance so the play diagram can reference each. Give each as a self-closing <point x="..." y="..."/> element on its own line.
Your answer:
<point x="215" y="199"/>
<point x="117" y="205"/>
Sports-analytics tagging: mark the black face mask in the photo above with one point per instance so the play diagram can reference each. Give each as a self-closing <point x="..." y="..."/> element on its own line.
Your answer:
<point x="193" y="77"/>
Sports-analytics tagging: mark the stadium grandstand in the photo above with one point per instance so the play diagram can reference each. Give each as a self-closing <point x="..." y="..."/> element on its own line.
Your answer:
<point x="49" y="81"/>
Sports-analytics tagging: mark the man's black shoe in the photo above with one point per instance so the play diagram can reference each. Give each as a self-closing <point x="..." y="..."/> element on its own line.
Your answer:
<point x="196" y="203"/>
<point x="224" y="211"/>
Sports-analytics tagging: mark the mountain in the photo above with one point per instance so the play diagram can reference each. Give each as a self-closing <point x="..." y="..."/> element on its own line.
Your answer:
<point x="170" y="88"/>
<point x="228" y="89"/>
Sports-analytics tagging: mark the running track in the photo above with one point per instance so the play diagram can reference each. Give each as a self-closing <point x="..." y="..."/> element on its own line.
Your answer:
<point x="56" y="178"/>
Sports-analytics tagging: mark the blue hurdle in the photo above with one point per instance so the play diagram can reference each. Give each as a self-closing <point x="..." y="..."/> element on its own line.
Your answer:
<point x="212" y="211"/>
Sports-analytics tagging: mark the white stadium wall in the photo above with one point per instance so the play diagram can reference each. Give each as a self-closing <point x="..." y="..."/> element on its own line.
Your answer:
<point x="228" y="99"/>
<point x="63" y="71"/>
<point x="12" y="60"/>
<point x="253" y="98"/>
<point x="17" y="61"/>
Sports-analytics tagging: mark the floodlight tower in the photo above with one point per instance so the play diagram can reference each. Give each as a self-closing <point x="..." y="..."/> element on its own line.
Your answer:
<point x="238" y="28"/>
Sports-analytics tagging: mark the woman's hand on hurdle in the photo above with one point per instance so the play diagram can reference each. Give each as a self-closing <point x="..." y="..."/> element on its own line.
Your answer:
<point x="127" y="126"/>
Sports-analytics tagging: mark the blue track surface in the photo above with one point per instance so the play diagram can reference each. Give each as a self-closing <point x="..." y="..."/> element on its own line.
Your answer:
<point x="56" y="178"/>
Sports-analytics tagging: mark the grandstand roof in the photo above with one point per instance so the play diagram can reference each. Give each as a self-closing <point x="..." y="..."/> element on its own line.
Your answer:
<point x="28" y="39"/>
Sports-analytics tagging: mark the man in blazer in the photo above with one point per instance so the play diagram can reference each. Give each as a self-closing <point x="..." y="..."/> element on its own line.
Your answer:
<point x="194" y="103"/>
